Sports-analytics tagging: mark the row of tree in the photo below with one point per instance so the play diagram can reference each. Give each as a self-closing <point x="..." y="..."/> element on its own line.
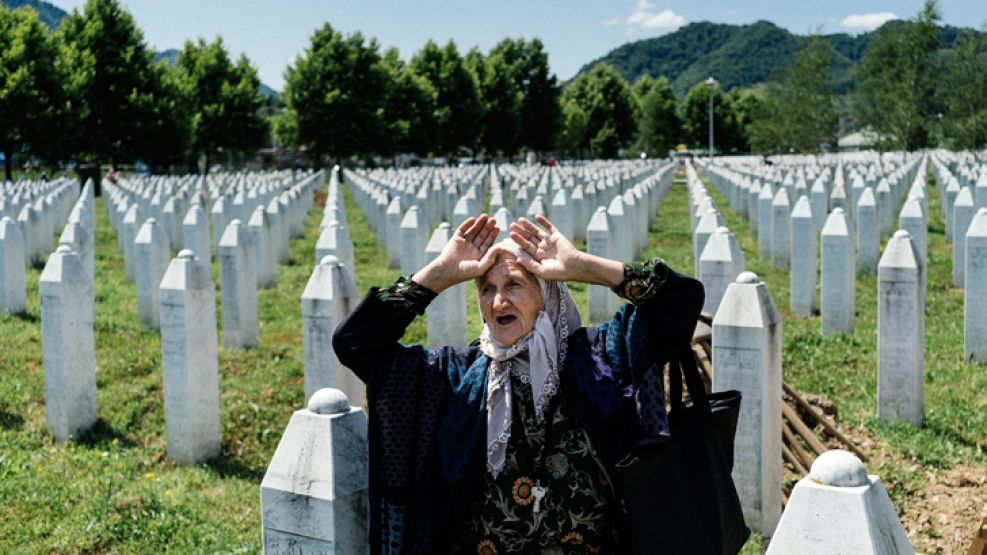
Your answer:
<point x="91" y="92"/>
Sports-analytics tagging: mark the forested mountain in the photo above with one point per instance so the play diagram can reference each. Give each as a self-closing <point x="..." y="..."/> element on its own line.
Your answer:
<point x="49" y="14"/>
<point x="736" y="55"/>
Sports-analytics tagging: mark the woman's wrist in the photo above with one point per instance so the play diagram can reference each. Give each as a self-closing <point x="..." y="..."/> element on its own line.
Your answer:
<point x="597" y="270"/>
<point x="435" y="277"/>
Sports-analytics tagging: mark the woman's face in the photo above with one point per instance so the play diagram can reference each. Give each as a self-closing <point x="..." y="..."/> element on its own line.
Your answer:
<point x="510" y="299"/>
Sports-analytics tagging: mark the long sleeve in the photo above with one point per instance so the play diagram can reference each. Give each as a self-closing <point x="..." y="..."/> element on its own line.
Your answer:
<point x="366" y="341"/>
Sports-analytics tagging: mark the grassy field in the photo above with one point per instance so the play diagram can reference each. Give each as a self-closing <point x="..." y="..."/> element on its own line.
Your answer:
<point x="112" y="490"/>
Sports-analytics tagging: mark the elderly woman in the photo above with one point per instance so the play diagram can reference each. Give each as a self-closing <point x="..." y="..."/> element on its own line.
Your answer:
<point x="510" y="445"/>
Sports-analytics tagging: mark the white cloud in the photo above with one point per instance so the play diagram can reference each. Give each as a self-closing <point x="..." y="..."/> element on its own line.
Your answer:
<point x="867" y="21"/>
<point x="611" y="22"/>
<point x="644" y="16"/>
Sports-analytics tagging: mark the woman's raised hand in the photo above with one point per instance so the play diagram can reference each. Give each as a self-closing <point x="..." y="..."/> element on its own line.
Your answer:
<point x="466" y="256"/>
<point x="552" y="255"/>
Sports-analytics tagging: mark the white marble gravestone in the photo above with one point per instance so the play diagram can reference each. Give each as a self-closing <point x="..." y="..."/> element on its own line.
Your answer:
<point x="446" y="314"/>
<point x="747" y="333"/>
<point x="152" y="255"/>
<point x="314" y="494"/>
<point x="867" y="229"/>
<point x="708" y="223"/>
<point x="67" y="345"/>
<point x="602" y="301"/>
<point x="393" y="219"/>
<point x="719" y="265"/>
<point x="328" y="298"/>
<point x="190" y="360"/>
<point x="838" y="291"/>
<point x="259" y="227"/>
<point x="195" y="234"/>
<point x="238" y="287"/>
<point x="222" y="215"/>
<point x="975" y="292"/>
<point x="764" y="221"/>
<point x="781" y="216"/>
<point x="900" y="345"/>
<point x="802" y="299"/>
<point x="963" y="211"/>
<point x="839" y="508"/>
<point x="13" y="289"/>
<point x="413" y="240"/>
<point x="128" y="230"/>
<point x="74" y="235"/>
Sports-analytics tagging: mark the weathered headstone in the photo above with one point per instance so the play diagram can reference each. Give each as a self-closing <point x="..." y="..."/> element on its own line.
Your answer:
<point x="839" y="508"/>
<point x="238" y="287"/>
<point x="190" y="360"/>
<point x="963" y="211"/>
<point x="975" y="292"/>
<point x="803" y="259"/>
<point x="446" y="315"/>
<point x="867" y="230"/>
<point x="719" y="265"/>
<point x="328" y="298"/>
<point x="13" y="289"/>
<point x="838" y="286"/>
<point x="152" y="255"/>
<point x="900" y="345"/>
<point x="314" y="494"/>
<point x="67" y="345"/>
<point x="195" y="234"/>
<point x="261" y="237"/>
<point x="747" y="333"/>
<point x="781" y="216"/>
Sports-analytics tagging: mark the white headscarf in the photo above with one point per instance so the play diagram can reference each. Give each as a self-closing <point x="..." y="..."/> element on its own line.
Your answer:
<point x="546" y="348"/>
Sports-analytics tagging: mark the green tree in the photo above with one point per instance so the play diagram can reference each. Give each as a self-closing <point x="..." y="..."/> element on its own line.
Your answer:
<point x="527" y="64"/>
<point x="409" y="109"/>
<point x="502" y="102"/>
<point x="896" y="78"/>
<point x="334" y="96"/>
<point x="798" y="111"/>
<point x="605" y="98"/>
<point x="574" y="124"/>
<point x="111" y="81"/>
<point x="167" y="119"/>
<point x="224" y="100"/>
<point x="658" y="128"/>
<point x="32" y="100"/>
<point x="695" y="118"/>
<point x="962" y="93"/>
<point x="458" y="106"/>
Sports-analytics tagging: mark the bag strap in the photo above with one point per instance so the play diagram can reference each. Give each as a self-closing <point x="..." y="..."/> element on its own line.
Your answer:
<point x="685" y="365"/>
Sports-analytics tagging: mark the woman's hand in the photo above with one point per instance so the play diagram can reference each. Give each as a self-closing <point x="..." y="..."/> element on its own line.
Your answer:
<point x="466" y="256"/>
<point x="554" y="258"/>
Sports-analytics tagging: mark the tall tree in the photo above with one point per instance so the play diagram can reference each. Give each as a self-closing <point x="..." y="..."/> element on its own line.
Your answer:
<point x="409" y="109"/>
<point x="502" y="102"/>
<point x="334" y="93"/>
<point x="167" y="119"/>
<point x="695" y="118"/>
<point x="658" y="128"/>
<point x="572" y="138"/>
<point x="799" y="109"/>
<point x="962" y="93"/>
<point x="31" y="95"/>
<point x="110" y="81"/>
<point x="605" y="98"/>
<point x="224" y="100"/>
<point x="541" y="113"/>
<point x="459" y="109"/>
<point x="895" y="80"/>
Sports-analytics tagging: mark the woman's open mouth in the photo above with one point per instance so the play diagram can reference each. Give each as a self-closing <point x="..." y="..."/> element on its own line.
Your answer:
<point x="506" y="320"/>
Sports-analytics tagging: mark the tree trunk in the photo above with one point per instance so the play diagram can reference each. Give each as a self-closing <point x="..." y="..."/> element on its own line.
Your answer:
<point x="8" y="169"/>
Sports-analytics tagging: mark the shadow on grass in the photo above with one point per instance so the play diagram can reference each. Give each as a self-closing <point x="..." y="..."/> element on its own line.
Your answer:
<point x="225" y="466"/>
<point x="102" y="435"/>
<point x="27" y="317"/>
<point x="11" y="421"/>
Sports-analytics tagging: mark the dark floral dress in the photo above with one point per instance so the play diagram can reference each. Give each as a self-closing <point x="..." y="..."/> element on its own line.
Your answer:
<point x="575" y="513"/>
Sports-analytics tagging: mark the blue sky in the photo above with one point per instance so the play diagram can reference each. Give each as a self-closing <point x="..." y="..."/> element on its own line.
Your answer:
<point x="273" y="32"/>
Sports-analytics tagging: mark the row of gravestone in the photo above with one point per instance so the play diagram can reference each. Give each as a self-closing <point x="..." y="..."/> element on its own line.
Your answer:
<point x="314" y="502"/>
<point x="179" y="302"/>
<point x="31" y="215"/>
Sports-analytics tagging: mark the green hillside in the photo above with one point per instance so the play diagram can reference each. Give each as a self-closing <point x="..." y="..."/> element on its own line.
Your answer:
<point x="736" y="55"/>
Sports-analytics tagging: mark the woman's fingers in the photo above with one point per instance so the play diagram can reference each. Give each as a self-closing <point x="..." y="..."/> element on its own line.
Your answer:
<point x="464" y="227"/>
<point x="545" y="223"/>
<point x="523" y="242"/>
<point x="476" y="228"/>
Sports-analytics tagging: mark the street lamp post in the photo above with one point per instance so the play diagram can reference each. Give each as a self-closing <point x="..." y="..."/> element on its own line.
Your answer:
<point x="712" y="84"/>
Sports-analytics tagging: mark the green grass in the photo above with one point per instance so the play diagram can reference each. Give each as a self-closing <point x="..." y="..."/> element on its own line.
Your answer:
<point x="113" y="490"/>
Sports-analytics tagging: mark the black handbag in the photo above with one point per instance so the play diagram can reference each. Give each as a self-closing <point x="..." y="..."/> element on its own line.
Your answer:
<point x="678" y="495"/>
